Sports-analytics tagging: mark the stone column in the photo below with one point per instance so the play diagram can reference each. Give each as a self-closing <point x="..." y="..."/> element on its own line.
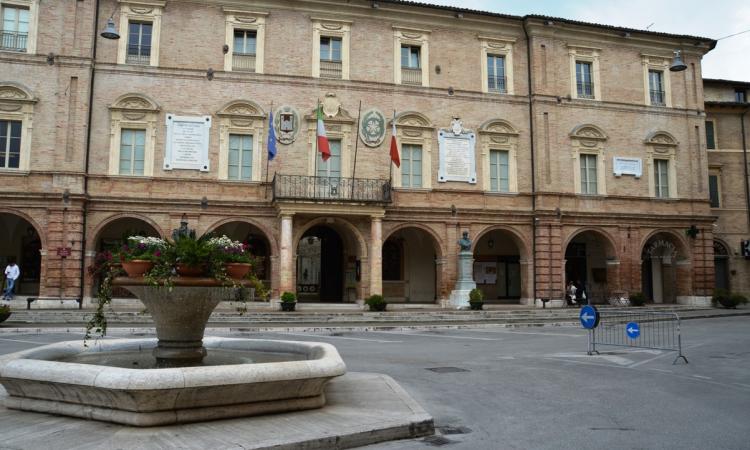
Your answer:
<point x="286" y="255"/>
<point x="376" y="256"/>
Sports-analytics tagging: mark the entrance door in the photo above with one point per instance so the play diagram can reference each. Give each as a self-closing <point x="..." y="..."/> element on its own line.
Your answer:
<point x="320" y="266"/>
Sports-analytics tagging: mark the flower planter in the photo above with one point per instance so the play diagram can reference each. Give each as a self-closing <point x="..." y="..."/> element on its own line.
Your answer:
<point x="476" y="306"/>
<point x="137" y="267"/>
<point x="237" y="271"/>
<point x="185" y="270"/>
<point x="288" y="306"/>
<point x="4" y="315"/>
<point x="378" y="307"/>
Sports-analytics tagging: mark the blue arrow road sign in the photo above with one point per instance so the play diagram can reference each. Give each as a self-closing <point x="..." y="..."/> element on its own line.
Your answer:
<point x="589" y="317"/>
<point x="633" y="330"/>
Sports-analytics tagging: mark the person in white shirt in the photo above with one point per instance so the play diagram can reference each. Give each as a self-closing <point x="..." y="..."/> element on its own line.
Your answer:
<point x="12" y="272"/>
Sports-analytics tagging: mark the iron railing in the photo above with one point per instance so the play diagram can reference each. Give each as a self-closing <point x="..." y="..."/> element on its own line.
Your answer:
<point x="142" y="57"/>
<point x="330" y="69"/>
<point x="411" y="76"/>
<point x="13" y="40"/>
<point x="657" y="97"/>
<point x="244" y="62"/>
<point x="496" y="84"/>
<point x="330" y="189"/>
<point x="585" y="90"/>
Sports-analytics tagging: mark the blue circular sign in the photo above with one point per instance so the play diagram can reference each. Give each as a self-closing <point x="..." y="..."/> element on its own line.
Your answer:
<point x="633" y="330"/>
<point x="589" y="317"/>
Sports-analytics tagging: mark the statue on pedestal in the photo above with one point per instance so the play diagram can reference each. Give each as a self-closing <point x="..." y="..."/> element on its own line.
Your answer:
<point x="465" y="242"/>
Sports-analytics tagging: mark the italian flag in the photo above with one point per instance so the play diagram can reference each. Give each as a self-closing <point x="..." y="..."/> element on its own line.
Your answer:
<point x="323" y="147"/>
<point x="394" y="147"/>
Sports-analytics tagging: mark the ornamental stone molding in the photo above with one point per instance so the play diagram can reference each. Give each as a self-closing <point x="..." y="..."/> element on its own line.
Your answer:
<point x="17" y="104"/>
<point x="661" y="138"/>
<point x="286" y="123"/>
<point x="133" y="111"/>
<point x="373" y="127"/>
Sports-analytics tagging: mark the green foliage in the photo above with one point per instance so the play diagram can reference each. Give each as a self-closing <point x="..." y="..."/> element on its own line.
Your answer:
<point x="728" y="300"/>
<point x="738" y="299"/>
<point x="141" y="248"/>
<point x="376" y="302"/>
<point x="4" y="309"/>
<point x="637" y="299"/>
<point x="475" y="296"/>
<point x="190" y="251"/>
<point x="288" y="297"/>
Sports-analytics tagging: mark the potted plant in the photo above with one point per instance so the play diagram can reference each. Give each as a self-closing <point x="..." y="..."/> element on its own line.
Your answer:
<point x="191" y="256"/>
<point x="234" y="255"/>
<point x="4" y="312"/>
<point x="288" y="301"/>
<point x="138" y="253"/>
<point x="637" y="299"/>
<point x="376" y="302"/>
<point x="476" y="299"/>
<point x="727" y="299"/>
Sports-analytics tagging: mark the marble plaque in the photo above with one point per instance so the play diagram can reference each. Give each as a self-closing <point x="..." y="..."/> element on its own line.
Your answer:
<point x="457" y="157"/>
<point x="627" y="166"/>
<point x="187" y="143"/>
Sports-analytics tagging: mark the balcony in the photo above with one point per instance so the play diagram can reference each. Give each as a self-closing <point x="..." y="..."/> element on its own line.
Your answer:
<point x="585" y="90"/>
<point x="330" y="69"/>
<point x="330" y="189"/>
<point x="13" y="41"/>
<point x="657" y="97"/>
<point x="496" y="84"/>
<point x="244" y="62"/>
<point x="411" y="76"/>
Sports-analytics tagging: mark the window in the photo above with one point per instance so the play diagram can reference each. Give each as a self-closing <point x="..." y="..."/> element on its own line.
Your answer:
<point x="499" y="173"/>
<point x="132" y="151"/>
<point x="142" y="21"/>
<point x="740" y="95"/>
<point x="15" y="28"/>
<point x="411" y="166"/>
<point x="244" y="41"/>
<point x="411" y="55"/>
<point x="10" y="144"/>
<point x="584" y="81"/>
<point x="496" y="73"/>
<point x="588" y="174"/>
<point x="330" y="57"/>
<point x="710" y="135"/>
<point x="240" y="157"/>
<point x="713" y="191"/>
<point x="243" y="51"/>
<point x="656" y="87"/>
<point x="332" y="167"/>
<point x="661" y="178"/>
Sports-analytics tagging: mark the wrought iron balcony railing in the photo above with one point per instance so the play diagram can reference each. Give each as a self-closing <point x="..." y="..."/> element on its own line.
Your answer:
<point x="496" y="84"/>
<point x="330" y="69"/>
<point x="13" y="40"/>
<point x="411" y="76"/>
<point x="657" y="97"/>
<point x="244" y="62"/>
<point x="585" y="90"/>
<point x="330" y="189"/>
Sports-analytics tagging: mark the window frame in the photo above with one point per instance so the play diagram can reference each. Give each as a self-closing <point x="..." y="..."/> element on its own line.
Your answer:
<point x="142" y="11"/>
<point x="414" y="128"/>
<point x="740" y="92"/>
<point x="659" y="76"/>
<point x="581" y="54"/>
<point x="328" y="28"/>
<point x="584" y="160"/>
<point x="244" y="20"/>
<point x="240" y="159"/>
<point x="662" y="146"/>
<point x="657" y="174"/>
<point x="411" y="174"/>
<point x="132" y="152"/>
<point x="7" y="142"/>
<point x="660" y="64"/>
<point x="498" y="134"/>
<point x="497" y="46"/>
<point x="33" y="7"/>
<point x="713" y="129"/>
<point x="588" y="139"/>
<point x="411" y="37"/>
<point x="245" y="118"/>
<point x="136" y="112"/>
<point x="339" y="127"/>
<point x="496" y="174"/>
<point x="716" y="173"/>
<point x="17" y="105"/>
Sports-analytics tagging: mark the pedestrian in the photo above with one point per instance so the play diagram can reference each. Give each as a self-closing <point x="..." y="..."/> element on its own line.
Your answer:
<point x="12" y="272"/>
<point x="571" y="293"/>
<point x="581" y="297"/>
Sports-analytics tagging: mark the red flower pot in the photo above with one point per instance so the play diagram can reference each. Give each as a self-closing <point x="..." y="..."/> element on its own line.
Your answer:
<point x="185" y="270"/>
<point x="137" y="267"/>
<point x="237" y="271"/>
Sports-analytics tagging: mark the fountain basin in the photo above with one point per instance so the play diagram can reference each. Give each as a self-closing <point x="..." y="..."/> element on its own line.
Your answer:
<point x="36" y="380"/>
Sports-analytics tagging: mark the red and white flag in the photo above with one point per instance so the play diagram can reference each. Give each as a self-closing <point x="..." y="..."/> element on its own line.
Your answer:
<point x="323" y="147"/>
<point x="394" y="146"/>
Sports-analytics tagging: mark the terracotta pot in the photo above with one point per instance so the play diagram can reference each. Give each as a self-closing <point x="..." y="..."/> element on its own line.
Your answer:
<point x="137" y="267"/>
<point x="237" y="270"/>
<point x="184" y="270"/>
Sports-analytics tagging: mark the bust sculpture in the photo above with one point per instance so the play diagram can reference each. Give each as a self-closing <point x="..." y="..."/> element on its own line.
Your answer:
<point x="465" y="242"/>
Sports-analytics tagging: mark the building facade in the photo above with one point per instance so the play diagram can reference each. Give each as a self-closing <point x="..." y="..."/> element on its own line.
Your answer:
<point x="581" y="156"/>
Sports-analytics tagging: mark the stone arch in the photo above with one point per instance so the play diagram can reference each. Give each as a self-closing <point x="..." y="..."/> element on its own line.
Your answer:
<point x="592" y="264"/>
<point x="666" y="269"/>
<point x="504" y="269"/>
<point x="91" y="244"/>
<point x="15" y="92"/>
<point x="242" y="108"/>
<point x="413" y="119"/>
<point x="588" y="131"/>
<point x="343" y="223"/>
<point x="30" y="220"/>
<point x="134" y="101"/>
<point x="436" y="239"/>
<point x="608" y="238"/>
<point x="523" y="246"/>
<point x="268" y="234"/>
<point x="660" y="137"/>
<point x="499" y="126"/>
<point x="722" y="262"/>
<point x="683" y="252"/>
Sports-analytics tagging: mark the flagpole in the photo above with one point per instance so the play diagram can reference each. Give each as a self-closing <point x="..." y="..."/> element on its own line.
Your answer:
<point x="356" y="146"/>
<point x="268" y="160"/>
<point x="315" y="175"/>
<point x="390" y="176"/>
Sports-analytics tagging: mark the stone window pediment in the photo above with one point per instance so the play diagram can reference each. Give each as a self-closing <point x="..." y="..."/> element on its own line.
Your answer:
<point x="498" y="134"/>
<point x="244" y="20"/>
<point x="662" y="145"/>
<point x="414" y="128"/>
<point x="242" y="118"/>
<point x="589" y="139"/>
<point x="17" y="104"/>
<point x="133" y="112"/>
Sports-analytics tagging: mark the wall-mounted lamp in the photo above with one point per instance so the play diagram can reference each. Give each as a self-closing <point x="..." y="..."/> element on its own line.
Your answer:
<point x="692" y="231"/>
<point x="204" y="202"/>
<point x="450" y="90"/>
<point x="210" y="74"/>
<point x="109" y="31"/>
<point x="677" y="64"/>
<point x="491" y="243"/>
<point x="437" y="69"/>
<point x="225" y="49"/>
<point x="66" y="196"/>
<point x="51" y="59"/>
<point x="453" y="210"/>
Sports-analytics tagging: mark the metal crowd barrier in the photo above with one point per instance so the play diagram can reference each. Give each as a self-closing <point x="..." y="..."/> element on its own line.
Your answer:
<point x="652" y="330"/>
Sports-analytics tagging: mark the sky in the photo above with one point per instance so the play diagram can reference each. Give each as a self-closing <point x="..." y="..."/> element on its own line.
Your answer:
<point x="714" y="19"/>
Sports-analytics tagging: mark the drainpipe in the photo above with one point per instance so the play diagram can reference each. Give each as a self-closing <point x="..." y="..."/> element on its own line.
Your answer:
<point x="87" y="157"/>
<point x="533" y="165"/>
<point x="744" y="159"/>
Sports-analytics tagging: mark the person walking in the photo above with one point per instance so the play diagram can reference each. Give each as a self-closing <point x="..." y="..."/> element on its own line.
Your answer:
<point x="571" y="294"/>
<point x="12" y="272"/>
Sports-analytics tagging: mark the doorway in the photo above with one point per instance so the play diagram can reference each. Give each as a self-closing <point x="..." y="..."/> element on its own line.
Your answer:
<point x="320" y="266"/>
